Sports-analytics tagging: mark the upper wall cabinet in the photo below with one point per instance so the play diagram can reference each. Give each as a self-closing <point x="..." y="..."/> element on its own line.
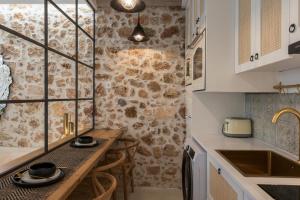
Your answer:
<point x="294" y="26"/>
<point x="195" y="20"/>
<point x="213" y="65"/>
<point x="264" y="31"/>
<point x="245" y="34"/>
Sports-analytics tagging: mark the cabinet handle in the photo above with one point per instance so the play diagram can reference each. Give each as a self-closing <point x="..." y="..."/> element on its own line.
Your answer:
<point x="197" y="20"/>
<point x="219" y="171"/>
<point x="251" y="58"/>
<point x="292" y="28"/>
<point x="256" y="56"/>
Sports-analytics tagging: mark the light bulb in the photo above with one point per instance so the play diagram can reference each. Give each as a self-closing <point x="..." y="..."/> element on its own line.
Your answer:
<point x="128" y="4"/>
<point x="138" y="37"/>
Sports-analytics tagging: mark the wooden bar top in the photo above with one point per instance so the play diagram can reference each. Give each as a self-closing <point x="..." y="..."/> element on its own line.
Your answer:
<point x="67" y="186"/>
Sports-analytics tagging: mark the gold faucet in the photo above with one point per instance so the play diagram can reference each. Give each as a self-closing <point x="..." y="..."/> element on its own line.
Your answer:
<point x="288" y="110"/>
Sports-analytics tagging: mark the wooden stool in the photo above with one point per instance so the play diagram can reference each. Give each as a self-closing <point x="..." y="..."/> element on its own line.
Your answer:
<point x="99" y="189"/>
<point x="129" y="146"/>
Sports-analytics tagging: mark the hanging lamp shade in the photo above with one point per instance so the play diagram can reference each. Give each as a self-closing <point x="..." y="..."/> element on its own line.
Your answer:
<point x="138" y="34"/>
<point x="128" y="6"/>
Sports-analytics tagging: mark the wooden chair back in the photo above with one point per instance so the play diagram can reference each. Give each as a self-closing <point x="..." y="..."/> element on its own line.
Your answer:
<point x="130" y="147"/>
<point x="99" y="189"/>
<point x="120" y="158"/>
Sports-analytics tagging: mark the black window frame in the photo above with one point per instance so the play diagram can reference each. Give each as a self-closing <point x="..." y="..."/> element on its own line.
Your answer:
<point x="46" y="100"/>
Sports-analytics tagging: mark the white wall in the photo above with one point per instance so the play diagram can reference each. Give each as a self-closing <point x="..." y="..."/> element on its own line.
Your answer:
<point x="210" y="110"/>
<point x="290" y="77"/>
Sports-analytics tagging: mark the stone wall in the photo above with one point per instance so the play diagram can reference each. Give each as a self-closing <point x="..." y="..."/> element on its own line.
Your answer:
<point x="261" y="108"/>
<point x="147" y="88"/>
<point x="20" y="127"/>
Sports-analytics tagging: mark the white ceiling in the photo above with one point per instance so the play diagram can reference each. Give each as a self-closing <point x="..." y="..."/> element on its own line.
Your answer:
<point x="101" y="3"/>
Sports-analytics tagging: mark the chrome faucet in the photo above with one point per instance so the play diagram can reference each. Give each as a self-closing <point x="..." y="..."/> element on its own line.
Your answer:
<point x="288" y="110"/>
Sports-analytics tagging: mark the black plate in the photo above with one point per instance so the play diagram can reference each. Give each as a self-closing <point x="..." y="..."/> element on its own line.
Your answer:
<point x="72" y="144"/>
<point x="17" y="181"/>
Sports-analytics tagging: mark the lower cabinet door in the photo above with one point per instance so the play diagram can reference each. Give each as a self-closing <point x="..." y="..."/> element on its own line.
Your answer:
<point x="220" y="188"/>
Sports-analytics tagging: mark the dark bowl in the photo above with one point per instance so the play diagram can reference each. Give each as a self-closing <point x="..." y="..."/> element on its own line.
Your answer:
<point x="44" y="169"/>
<point x="85" y="139"/>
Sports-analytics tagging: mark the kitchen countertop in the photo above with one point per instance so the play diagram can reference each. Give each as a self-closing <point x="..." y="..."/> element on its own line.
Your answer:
<point x="213" y="142"/>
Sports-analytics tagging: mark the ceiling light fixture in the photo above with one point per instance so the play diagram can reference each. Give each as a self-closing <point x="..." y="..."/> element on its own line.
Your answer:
<point x="138" y="34"/>
<point x="128" y="6"/>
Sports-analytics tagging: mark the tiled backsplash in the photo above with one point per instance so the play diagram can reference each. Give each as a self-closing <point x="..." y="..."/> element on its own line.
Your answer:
<point x="261" y="108"/>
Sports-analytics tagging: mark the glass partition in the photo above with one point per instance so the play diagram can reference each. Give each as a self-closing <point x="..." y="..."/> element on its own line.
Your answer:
<point x="25" y="62"/>
<point x="61" y="77"/>
<point x="23" y="17"/>
<point x="85" y="116"/>
<point x="68" y="7"/>
<point x="85" y="17"/>
<point x="57" y="128"/>
<point x="21" y="133"/>
<point x="85" y="48"/>
<point x="85" y="81"/>
<point x="61" y="32"/>
<point x="39" y="76"/>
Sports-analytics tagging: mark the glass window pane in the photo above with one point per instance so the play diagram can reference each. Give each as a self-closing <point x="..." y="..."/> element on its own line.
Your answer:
<point x="86" y="17"/>
<point x="61" y="77"/>
<point x="85" y="48"/>
<point x="61" y="32"/>
<point x="21" y="132"/>
<point x="68" y="6"/>
<point x="56" y="128"/>
<point x="85" y="116"/>
<point x="25" y="62"/>
<point x="198" y="64"/>
<point x="85" y="82"/>
<point x="25" y="18"/>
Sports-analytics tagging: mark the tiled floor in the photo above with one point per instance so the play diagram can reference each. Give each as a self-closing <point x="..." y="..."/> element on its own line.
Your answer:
<point x="155" y="194"/>
<point x="85" y="192"/>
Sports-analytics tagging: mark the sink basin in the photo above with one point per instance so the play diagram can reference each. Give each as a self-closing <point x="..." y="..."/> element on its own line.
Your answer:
<point x="261" y="163"/>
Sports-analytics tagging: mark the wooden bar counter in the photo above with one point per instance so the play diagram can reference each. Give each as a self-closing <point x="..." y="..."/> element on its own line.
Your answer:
<point x="67" y="186"/>
<point x="75" y="162"/>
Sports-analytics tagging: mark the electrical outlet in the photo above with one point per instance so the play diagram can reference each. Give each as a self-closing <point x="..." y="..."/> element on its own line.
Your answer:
<point x="107" y="85"/>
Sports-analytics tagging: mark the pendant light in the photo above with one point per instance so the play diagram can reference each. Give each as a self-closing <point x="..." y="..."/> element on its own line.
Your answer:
<point x="138" y="34"/>
<point x="128" y="6"/>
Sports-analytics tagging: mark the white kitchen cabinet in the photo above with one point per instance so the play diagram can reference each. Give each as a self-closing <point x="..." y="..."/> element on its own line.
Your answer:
<point x="195" y="20"/>
<point x="245" y="35"/>
<point x="199" y="17"/>
<point x="220" y="75"/>
<point x="264" y="31"/>
<point x="248" y="196"/>
<point x="219" y="49"/>
<point x="188" y="14"/>
<point x="294" y="25"/>
<point x="272" y="35"/>
<point x="220" y="185"/>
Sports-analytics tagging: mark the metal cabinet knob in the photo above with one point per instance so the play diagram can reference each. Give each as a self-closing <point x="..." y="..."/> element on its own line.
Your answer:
<point x="292" y="28"/>
<point x="219" y="171"/>
<point x="251" y="58"/>
<point x="256" y="56"/>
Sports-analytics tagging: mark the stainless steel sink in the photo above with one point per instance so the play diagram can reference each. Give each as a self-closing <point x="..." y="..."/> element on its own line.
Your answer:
<point x="261" y="163"/>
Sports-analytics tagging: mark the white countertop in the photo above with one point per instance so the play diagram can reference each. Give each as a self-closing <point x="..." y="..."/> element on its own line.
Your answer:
<point x="213" y="142"/>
